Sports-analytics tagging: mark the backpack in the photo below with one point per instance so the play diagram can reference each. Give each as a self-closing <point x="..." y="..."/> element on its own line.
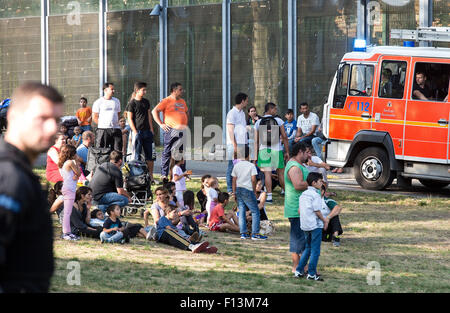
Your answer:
<point x="269" y="134"/>
<point x="97" y="156"/>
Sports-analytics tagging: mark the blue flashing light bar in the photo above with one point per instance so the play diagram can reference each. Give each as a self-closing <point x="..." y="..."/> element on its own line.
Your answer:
<point x="359" y="45"/>
<point x="409" y="44"/>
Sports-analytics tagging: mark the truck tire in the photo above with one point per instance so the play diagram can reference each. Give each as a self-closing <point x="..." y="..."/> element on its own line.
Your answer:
<point x="433" y="184"/>
<point x="371" y="169"/>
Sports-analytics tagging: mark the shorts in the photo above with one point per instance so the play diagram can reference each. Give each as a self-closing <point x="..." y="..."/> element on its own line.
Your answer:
<point x="216" y="226"/>
<point x="268" y="158"/>
<point x="296" y="237"/>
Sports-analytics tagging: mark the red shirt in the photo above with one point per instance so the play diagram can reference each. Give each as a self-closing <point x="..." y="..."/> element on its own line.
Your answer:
<point x="216" y="213"/>
<point x="52" y="170"/>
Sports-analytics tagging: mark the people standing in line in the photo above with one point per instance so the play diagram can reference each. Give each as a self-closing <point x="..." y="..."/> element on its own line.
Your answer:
<point x="269" y="148"/>
<point x="52" y="173"/>
<point x="295" y="175"/>
<point x="139" y="117"/>
<point x="237" y="137"/>
<point x="70" y="172"/>
<point x="106" y="114"/>
<point x="307" y="124"/>
<point x="84" y="115"/>
<point x="175" y="120"/>
<point x="26" y="235"/>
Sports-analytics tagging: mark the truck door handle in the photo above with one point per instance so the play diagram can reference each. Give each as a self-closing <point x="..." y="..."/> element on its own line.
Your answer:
<point x="443" y="121"/>
<point x="366" y="115"/>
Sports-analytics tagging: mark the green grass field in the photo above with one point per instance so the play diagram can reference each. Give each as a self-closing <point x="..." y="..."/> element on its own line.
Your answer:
<point x="409" y="238"/>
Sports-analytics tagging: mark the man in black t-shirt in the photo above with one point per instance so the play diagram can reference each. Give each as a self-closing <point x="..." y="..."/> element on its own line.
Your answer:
<point x="420" y="90"/>
<point x="26" y="231"/>
<point x="107" y="183"/>
<point x="140" y="121"/>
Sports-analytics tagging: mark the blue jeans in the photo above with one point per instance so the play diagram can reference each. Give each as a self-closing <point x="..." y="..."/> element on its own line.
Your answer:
<point x="111" y="238"/>
<point x="85" y="128"/>
<point x="307" y="140"/>
<point x="170" y="139"/>
<point x="144" y="140"/>
<point x="111" y="198"/>
<point x="247" y="199"/>
<point x="313" y="240"/>
<point x="317" y="144"/>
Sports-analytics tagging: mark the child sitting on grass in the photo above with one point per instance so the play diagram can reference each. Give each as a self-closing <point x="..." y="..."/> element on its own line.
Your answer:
<point x="167" y="233"/>
<point x="97" y="218"/>
<point x="219" y="221"/>
<point x="202" y="199"/>
<point x="331" y="211"/>
<point x="212" y="185"/>
<point x="312" y="222"/>
<point x="186" y="213"/>
<point x="112" y="228"/>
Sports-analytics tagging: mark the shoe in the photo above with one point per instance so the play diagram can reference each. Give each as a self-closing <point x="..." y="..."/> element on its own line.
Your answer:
<point x="245" y="236"/>
<point x="102" y="240"/>
<point x="194" y="238"/>
<point x="259" y="237"/>
<point x="151" y="235"/>
<point x="211" y="250"/>
<point x="68" y="237"/>
<point x="299" y="275"/>
<point x="200" y="247"/>
<point x="282" y="192"/>
<point x="269" y="201"/>
<point x="122" y="241"/>
<point x="314" y="277"/>
<point x="74" y="237"/>
<point x="336" y="241"/>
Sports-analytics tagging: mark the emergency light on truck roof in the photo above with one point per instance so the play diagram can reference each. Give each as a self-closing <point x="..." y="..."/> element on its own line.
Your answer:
<point x="359" y="45"/>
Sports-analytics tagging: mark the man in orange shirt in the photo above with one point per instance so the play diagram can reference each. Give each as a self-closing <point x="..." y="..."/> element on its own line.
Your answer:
<point x="175" y="116"/>
<point x="84" y="115"/>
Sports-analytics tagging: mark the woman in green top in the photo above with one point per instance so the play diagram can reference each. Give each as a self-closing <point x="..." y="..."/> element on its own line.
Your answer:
<point x="295" y="183"/>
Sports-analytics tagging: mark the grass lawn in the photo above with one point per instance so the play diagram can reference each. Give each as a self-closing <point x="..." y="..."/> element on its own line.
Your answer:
<point x="409" y="238"/>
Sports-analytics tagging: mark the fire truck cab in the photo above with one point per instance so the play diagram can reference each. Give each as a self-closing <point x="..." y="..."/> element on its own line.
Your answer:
<point x="387" y="116"/>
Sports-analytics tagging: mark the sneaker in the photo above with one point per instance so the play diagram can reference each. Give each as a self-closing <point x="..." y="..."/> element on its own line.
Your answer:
<point x="336" y="241"/>
<point x="74" y="237"/>
<point x="269" y="201"/>
<point x="211" y="250"/>
<point x="245" y="236"/>
<point x="282" y="192"/>
<point x="314" y="277"/>
<point x="122" y="241"/>
<point x="299" y="275"/>
<point x="194" y="237"/>
<point x="202" y="246"/>
<point x="151" y="235"/>
<point x="68" y="237"/>
<point x="258" y="237"/>
<point x="102" y="240"/>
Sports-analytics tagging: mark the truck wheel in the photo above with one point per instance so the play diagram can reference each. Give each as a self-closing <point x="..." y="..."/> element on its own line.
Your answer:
<point x="372" y="170"/>
<point x="433" y="184"/>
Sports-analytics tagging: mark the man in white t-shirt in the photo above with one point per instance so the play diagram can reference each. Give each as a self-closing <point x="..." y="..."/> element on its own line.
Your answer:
<point x="106" y="114"/>
<point x="307" y="124"/>
<point x="236" y="133"/>
<point x="270" y="151"/>
<point x="244" y="189"/>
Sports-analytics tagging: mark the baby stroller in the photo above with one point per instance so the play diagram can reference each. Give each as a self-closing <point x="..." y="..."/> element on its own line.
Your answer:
<point x="138" y="185"/>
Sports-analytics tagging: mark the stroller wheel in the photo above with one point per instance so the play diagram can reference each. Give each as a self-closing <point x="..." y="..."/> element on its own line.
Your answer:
<point x="135" y="211"/>
<point x="129" y="210"/>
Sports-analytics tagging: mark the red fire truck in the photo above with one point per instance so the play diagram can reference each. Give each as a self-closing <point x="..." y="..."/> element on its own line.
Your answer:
<point x="387" y="116"/>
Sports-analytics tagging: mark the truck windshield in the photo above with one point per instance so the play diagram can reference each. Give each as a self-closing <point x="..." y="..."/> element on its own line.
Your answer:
<point x="361" y="80"/>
